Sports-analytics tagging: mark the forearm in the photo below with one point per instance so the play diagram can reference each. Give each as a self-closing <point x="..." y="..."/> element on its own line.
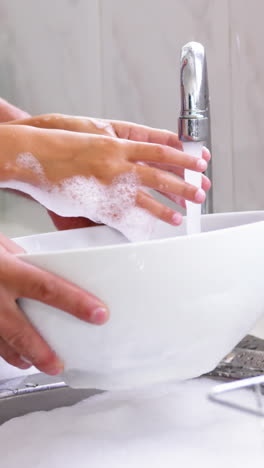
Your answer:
<point x="16" y="141"/>
<point x="10" y="113"/>
<point x="45" y="157"/>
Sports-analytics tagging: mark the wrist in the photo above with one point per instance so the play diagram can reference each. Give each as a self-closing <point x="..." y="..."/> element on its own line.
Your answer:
<point x="16" y="141"/>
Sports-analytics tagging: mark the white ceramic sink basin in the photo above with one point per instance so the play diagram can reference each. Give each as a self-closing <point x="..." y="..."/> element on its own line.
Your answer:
<point x="178" y="303"/>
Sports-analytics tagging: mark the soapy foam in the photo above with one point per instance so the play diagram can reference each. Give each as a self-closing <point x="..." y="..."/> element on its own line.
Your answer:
<point x="113" y="205"/>
<point x="28" y="161"/>
<point x="101" y="124"/>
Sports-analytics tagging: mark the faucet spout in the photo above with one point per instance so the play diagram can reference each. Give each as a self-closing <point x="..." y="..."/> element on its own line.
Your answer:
<point x="194" y="120"/>
<point x="194" y="116"/>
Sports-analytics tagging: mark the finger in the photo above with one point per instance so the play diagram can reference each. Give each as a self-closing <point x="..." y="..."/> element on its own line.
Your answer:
<point x="50" y="289"/>
<point x="25" y="341"/>
<point x="11" y="356"/>
<point x="157" y="209"/>
<point x="164" y="182"/>
<point x="135" y="132"/>
<point x="63" y="223"/>
<point x="175" y="198"/>
<point x="9" y="245"/>
<point x="206" y="154"/>
<point x="206" y="183"/>
<point x="148" y="152"/>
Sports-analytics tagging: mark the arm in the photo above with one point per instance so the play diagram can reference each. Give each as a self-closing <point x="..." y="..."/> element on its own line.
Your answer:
<point x="10" y="113"/>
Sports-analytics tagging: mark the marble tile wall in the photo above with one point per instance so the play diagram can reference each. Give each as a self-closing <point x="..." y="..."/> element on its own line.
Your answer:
<point x="120" y="59"/>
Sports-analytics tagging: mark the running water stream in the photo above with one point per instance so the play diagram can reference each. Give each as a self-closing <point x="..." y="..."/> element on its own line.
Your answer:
<point x="193" y="210"/>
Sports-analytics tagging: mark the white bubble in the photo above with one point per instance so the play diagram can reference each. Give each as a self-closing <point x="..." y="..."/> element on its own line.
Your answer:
<point x="28" y="161"/>
<point x="101" y="124"/>
<point x="113" y="205"/>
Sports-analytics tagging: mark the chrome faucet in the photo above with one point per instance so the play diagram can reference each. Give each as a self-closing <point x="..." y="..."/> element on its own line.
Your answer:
<point x="194" y="120"/>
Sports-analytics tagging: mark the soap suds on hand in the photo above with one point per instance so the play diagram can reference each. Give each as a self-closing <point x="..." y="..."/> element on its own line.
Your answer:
<point x="28" y="161"/>
<point x="113" y="205"/>
<point x="101" y="124"/>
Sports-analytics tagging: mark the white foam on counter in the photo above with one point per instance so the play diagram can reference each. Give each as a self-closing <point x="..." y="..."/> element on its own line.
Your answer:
<point x="170" y="426"/>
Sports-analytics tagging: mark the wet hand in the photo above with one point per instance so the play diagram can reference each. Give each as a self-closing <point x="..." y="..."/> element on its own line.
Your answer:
<point x="20" y="344"/>
<point x="107" y="157"/>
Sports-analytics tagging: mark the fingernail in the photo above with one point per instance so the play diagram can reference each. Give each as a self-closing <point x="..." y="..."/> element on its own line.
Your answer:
<point x="183" y="204"/>
<point x="55" y="370"/>
<point x="201" y="165"/>
<point x="176" y="219"/>
<point x="207" y="151"/>
<point x="24" y="365"/>
<point x="199" y="196"/>
<point x="208" y="182"/>
<point x="99" y="316"/>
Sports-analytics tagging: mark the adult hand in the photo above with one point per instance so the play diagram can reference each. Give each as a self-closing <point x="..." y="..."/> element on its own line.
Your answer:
<point x="20" y="344"/>
<point x="118" y="129"/>
<point x="126" y="131"/>
<point x="65" y="154"/>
